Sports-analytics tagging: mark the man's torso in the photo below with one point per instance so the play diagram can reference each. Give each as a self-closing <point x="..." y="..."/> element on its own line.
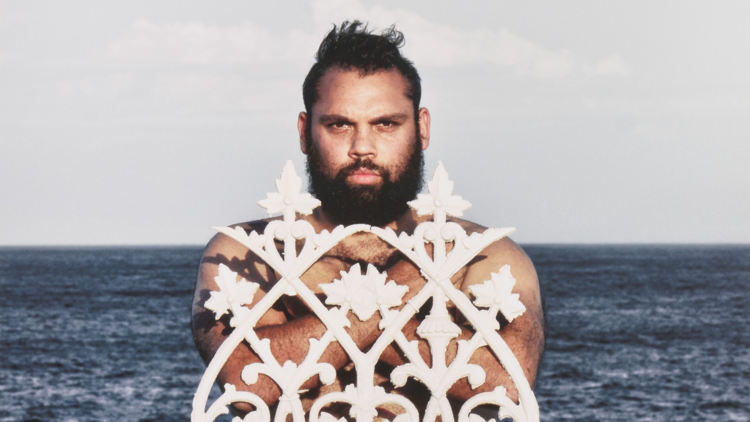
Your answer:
<point x="364" y="249"/>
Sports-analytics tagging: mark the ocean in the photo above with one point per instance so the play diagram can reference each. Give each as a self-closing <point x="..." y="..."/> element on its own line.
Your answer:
<point x="646" y="333"/>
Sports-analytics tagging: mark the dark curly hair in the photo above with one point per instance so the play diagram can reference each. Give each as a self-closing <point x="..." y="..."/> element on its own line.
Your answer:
<point x="353" y="46"/>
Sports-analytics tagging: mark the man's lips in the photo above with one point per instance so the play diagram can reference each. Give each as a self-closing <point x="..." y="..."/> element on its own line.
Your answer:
<point x="363" y="176"/>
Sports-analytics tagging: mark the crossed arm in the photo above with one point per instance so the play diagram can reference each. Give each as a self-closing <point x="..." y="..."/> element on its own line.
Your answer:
<point x="289" y="334"/>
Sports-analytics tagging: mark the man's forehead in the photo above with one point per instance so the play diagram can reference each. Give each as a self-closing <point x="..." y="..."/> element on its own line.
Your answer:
<point x="343" y="89"/>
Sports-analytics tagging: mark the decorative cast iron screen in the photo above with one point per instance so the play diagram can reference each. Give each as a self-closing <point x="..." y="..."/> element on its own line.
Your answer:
<point x="365" y="294"/>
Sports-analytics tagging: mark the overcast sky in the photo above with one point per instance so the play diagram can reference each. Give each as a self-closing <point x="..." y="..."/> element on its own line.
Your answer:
<point x="147" y="122"/>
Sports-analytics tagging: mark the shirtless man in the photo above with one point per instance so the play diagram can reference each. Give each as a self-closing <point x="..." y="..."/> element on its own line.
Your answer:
<point x="364" y="135"/>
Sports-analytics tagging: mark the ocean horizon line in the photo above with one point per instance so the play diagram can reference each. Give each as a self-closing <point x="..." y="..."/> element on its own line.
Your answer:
<point x="198" y="245"/>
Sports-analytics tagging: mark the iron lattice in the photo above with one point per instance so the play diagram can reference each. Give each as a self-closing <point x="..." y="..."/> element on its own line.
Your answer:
<point x="364" y="294"/>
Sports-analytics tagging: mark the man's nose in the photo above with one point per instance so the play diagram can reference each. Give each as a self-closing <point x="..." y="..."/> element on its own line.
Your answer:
<point x="363" y="144"/>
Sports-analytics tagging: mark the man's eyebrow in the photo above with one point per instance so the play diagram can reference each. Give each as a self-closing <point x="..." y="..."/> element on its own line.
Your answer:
<point x="330" y="118"/>
<point x="398" y="117"/>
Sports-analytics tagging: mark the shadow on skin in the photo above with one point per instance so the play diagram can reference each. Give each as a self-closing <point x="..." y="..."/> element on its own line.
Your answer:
<point x="205" y="319"/>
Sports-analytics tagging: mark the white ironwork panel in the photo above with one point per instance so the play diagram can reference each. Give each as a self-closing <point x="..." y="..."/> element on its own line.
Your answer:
<point x="365" y="292"/>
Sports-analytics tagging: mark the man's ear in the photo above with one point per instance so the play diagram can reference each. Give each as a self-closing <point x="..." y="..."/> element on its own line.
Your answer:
<point x="424" y="127"/>
<point x="301" y="127"/>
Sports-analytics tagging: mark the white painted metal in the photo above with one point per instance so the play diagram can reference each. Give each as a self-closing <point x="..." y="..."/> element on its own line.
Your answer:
<point x="364" y="294"/>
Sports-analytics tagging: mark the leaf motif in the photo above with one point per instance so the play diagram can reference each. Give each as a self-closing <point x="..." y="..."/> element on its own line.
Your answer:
<point x="406" y="240"/>
<point x="351" y="289"/>
<point x="304" y="203"/>
<point x="290" y="184"/>
<point x="218" y="303"/>
<point x="232" y="294"/>
<point x="499" y="292"/>
<point x="289" y="194"/>
<point x="256" y="239"/>
<point x="440" y="196"/>
<point x="511" y="307"/>
<point x="364" y="293"/>
<point x="440" y="186"/>
<point x="338" y="315"/>
<point x="490" y="317"/>
<point x="336" y="291"/>
<point x="274" y="203"/>
<point x="388" y="294"/>
<point x="424" y="204"/>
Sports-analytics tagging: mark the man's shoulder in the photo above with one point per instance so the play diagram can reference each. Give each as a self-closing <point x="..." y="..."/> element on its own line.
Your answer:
<point x="504" y="246"/>
<point x="498" y="254"/>
<point x="221" y="244"/>
<point x="469" y="226"/>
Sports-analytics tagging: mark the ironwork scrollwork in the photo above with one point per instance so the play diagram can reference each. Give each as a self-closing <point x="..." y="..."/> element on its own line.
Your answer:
<point x="364" y="294"/>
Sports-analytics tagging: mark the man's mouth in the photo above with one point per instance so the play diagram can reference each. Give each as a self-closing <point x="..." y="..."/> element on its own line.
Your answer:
<point x="364" y="176"/>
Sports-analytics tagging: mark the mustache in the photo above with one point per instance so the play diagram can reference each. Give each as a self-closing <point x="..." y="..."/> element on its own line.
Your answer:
<point x="362" y="163"/>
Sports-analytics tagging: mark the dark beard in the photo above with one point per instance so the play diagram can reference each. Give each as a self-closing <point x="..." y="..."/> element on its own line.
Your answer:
<point x="376" y="206"/>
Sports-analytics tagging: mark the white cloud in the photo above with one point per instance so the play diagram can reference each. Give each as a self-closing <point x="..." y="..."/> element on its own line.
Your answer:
<point x="428" y="43"/>
<point x="195" y="43"/>
<point x="112" y="85"/>
<point x="613" y="65"/>
<point x="433" y="44"/>
<point x="212" y="91"/>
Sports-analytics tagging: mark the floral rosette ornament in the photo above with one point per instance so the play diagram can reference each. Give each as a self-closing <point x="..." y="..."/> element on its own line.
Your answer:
<point x="364" y="294"/>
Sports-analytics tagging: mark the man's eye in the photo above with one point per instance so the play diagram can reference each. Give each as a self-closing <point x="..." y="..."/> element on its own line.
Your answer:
<point x="387" y="124"/>
<point x="339" y="125"/>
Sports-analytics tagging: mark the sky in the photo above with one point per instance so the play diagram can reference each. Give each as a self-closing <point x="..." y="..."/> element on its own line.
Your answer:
<point x="140" y="122"/>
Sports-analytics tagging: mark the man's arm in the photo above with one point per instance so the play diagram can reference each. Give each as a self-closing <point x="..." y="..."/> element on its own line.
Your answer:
<point x="524" y="336"/>
<point x="289" y="338"/>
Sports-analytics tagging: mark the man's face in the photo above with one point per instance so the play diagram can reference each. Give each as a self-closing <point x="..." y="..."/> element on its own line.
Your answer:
<point x="364" y="146"/>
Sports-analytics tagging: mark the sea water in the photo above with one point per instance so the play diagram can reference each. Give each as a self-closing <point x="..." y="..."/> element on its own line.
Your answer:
<point x="634" y="333"/>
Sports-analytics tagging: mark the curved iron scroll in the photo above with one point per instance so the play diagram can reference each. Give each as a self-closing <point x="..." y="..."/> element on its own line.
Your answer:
<point x="364" y="294"/>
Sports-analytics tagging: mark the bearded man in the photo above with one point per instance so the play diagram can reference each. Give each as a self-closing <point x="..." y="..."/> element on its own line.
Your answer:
<point x="364" y="135"/>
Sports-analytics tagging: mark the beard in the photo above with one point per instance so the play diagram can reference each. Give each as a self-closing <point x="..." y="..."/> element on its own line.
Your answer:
<point x="373" y="205"/>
